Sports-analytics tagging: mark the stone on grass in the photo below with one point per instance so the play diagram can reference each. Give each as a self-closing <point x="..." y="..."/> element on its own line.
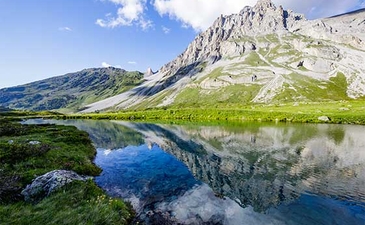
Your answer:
<point x="344" y="109"/>
<point x="324" y="118"/>
<point x="44" y="185"/>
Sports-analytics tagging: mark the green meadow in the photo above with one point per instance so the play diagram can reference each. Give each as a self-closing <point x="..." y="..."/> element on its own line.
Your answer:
<point x="339" y="112"/>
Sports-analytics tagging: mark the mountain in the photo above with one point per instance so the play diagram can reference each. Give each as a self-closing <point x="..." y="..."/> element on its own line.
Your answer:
<point x="264" y="54"/>
<point x="4" y="109"/>
<point x="149" y="72"/>
<point x="73" y="90"/>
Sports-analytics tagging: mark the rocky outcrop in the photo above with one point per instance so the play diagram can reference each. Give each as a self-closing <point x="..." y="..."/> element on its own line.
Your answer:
<point x="44" y="185"/>
<point x="226" y="37"/>
<point x="234" y="35"/>
<point x="149" y="72"/>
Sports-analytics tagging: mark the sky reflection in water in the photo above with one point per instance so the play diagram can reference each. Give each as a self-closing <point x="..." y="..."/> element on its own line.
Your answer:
<point x="241" y="174"/>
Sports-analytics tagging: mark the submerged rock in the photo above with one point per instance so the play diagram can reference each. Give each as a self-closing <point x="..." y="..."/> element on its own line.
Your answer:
<point x="44" y="185"/>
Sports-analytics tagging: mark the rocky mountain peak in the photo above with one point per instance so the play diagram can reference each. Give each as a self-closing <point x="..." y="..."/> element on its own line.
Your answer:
<point x="221" y="38"/>
<point x="149" y="72"/>
<point x="264" y="5"/>
<point x="268" y="52"/>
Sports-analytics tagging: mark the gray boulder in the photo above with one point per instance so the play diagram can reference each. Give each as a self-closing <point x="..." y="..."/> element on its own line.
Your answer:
<point x="44" y="185"/>
<point x="324" y="118"/>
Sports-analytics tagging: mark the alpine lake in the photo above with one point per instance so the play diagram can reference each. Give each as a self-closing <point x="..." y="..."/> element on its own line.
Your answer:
<point x="232" y="173"/>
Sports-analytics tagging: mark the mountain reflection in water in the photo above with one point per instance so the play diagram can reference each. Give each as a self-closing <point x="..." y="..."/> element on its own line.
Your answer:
<point x="249" y="173"/>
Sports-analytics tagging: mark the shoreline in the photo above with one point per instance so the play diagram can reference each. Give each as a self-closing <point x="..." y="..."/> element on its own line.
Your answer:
<point x="29" y="151"/>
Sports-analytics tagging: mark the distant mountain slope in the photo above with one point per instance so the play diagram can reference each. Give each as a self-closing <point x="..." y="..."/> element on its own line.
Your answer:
<point x="73" y="90"/>
<point x="264" y="54"/>
<point x="4" y="109"/>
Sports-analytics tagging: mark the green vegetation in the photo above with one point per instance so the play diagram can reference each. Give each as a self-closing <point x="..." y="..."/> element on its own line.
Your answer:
<point x="341" y="112"/>
<point x="15" y="114"/>
<point x="253" y="59"/>
<point x="28" y="151"/>
<point x="215" y="73"/>
<point x="274" y="38"/>
<point x="76" y="203"/>
<point x="314" y="90"/>
<point x="71" y="91"/>
<point x="232" y="95"/>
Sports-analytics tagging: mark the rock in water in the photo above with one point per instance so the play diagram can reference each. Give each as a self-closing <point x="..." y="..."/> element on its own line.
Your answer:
<point x="44" y="185"/>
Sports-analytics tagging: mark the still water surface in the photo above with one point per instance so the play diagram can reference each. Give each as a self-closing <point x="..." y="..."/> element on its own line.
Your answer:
<point x="249" y="173"/>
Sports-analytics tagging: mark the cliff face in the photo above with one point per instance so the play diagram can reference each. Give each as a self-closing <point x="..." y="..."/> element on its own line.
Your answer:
<point x="223" y="38"/>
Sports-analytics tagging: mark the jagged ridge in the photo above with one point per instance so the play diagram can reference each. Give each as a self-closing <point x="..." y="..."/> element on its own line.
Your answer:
<point x="212" y="45"/>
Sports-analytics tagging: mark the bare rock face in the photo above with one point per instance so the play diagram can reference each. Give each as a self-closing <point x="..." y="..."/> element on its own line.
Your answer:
<point x="225" y="38"/>
<point x="44" y="185"/>
<point x="149" y="72"/>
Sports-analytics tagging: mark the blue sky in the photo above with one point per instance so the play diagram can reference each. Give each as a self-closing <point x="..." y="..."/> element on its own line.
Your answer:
<point x="44" y="38"/>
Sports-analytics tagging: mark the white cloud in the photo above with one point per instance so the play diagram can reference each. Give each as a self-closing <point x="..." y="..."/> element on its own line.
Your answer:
<point x="200" y="14"/>
<point x="105" y="65"/>
<point x="145" y="24"/>
<point x="130" y="12"/>
<point x="132" y="62"/>
<point x="64" y="29"/>
<point x="166" y="30"/>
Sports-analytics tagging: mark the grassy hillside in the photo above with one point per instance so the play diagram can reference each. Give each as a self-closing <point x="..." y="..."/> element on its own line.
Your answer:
<point x="72" y="91"/>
